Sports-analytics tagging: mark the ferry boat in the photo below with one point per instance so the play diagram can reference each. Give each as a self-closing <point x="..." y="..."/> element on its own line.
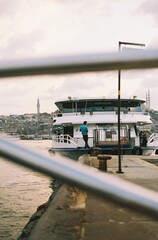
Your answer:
<point x="101" y="115"/>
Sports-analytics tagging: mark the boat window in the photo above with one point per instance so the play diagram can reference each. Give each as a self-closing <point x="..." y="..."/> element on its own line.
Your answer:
<point x="68" y="130"/>
<point x="96" y="105"/>
<point x="57" y="129"/>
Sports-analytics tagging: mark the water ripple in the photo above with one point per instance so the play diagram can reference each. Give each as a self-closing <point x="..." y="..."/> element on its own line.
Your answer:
<point x="21" y="192"/>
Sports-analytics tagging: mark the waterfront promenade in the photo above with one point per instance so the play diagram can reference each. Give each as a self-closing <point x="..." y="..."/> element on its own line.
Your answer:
<point x="73" y="214"/>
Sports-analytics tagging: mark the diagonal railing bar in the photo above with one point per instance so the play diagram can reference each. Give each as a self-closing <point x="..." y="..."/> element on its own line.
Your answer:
<point x="89" y="179"/>
<point x="80" y="63"/>
<point x="105" y="185"/>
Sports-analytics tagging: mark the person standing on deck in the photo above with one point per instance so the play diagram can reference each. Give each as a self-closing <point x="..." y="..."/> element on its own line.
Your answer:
<point x="84" y="131"/>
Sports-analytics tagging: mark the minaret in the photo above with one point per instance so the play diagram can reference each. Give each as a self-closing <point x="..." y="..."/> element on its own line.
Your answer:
<point x="38" y="107"/>
<point x="148" y="100"/>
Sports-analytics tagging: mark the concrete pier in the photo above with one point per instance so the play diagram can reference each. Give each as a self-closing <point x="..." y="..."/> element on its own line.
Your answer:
<point x="72" y="214"/>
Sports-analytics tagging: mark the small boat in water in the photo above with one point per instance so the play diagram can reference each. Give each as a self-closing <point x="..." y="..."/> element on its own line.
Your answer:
<point x="152" y="145"/>
<point x="101" y="115"/>
<point x="30" y="137"/>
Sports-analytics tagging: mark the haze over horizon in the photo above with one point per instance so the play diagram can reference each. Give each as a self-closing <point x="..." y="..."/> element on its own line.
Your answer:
<point x="54" y="28"/>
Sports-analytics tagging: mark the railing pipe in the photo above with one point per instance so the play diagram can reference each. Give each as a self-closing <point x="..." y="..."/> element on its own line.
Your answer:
<point x="80" y="63"/>
<point x="105" y="185"/>
<point x="90" y="179"/>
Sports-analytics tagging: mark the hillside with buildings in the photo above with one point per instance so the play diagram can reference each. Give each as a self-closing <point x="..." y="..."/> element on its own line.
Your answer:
<point x="29" y="124"/>
<point x="40" y="124"/>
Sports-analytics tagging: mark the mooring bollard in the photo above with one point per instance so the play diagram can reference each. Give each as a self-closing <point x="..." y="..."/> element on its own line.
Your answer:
<point x="103" y="162"/>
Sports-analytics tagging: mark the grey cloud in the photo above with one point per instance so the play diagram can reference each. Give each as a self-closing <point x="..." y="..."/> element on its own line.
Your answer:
<point x="21" y="45"/>
<point x="7" y="7"/>
<point x="154" y="43"/>
<point x="97" y="7"/>
<point x="81" y="85"/>
<point x="150" y="8"/>
<point x="151" y="79"/>
<point x="147" y="78"/>
<point x="15" y="89"/>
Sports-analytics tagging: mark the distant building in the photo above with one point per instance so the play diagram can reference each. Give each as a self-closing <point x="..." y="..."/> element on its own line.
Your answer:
<point x="38" y="106"/>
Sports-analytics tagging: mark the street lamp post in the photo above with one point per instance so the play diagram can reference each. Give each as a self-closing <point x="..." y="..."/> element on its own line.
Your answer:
<point x="119" y="104"/>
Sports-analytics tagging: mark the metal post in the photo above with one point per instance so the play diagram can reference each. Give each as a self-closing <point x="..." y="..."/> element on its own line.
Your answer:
<point x="119" y="104"/>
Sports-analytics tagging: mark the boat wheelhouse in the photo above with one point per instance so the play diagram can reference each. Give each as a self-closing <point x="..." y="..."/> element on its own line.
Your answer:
<point x="101" y="115"/>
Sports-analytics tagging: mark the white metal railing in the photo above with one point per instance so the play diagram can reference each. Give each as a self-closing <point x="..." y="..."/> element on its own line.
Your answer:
<point x="64" y="138"/>
<point x="80" y="63"/>
<point x="105" y="185"/>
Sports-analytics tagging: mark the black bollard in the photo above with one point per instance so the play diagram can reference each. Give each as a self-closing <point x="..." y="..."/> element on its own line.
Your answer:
<point x="103" y="162"/>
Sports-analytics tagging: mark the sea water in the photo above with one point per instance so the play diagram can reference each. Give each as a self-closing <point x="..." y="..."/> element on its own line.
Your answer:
<point x="22" y="190"/>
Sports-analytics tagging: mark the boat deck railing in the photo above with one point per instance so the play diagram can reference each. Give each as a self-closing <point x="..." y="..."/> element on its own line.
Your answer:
<point x="103" y="184"/>
<point x="64" y="138"/>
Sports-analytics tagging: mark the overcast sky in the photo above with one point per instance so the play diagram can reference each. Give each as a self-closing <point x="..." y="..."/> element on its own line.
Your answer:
<point x="31" y="28"/>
